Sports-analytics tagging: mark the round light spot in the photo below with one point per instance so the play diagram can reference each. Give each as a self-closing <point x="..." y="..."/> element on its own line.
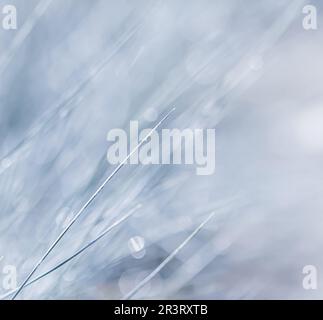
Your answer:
<point x="151" y="115"/>
<point x="131" y="279"/>
<point x="63" y="217"/>
<point x="63" y="113"/>
<point x="256" y="63"/>
<point x="6" y="163"/>
<point x="309" y="129"/>
<point x="69" y="276"/>
<point x="137" y="247"/>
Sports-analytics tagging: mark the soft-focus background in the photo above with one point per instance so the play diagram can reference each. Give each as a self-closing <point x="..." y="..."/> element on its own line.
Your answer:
<point x="73" y="70"/>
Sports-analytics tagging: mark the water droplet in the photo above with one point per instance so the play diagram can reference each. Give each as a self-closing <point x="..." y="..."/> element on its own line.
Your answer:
<point x="256" y="63"/>
<point x="151" y="115"/>
<point x="6" y="163"/>
<point x="137" y="247"/>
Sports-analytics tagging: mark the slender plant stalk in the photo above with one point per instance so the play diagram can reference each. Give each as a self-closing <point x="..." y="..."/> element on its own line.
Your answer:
<point x="78" y="252"/>
<point x="167" y="260"/>
<point x="96" y="193"/>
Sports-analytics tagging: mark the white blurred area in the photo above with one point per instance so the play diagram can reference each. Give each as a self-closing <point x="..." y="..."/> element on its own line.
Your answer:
<point x="250" y="71"/>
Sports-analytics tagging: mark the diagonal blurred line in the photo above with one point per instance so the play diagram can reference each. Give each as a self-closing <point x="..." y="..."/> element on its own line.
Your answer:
<point x="279" y="27"/>
<point x="71" y="94"/>
<point x="24" y="32"/>
<point x="91" y="200"/>
<point x="203" y="257"/>
<point x="78" y="252"/>
<point x="271" y="37"/>
<point x="238" y="73"/>
<point x="167" y="260"/>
